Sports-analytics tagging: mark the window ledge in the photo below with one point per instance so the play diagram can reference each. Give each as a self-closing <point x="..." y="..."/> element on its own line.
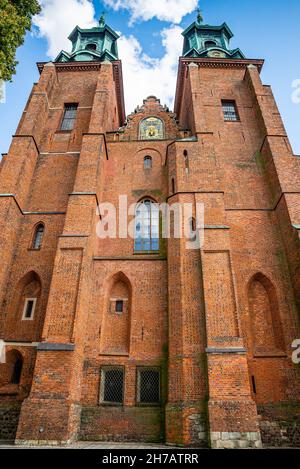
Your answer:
<point x="152" y="253"/>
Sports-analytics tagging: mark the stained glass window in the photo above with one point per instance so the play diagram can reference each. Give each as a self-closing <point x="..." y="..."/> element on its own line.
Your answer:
<point x="151" y="128"/>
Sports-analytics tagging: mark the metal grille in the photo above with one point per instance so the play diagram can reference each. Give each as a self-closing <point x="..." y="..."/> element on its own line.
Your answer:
<point x="148" y="386"/>
<point x="230" y="112"/>
<point x="112" y="385"/>
<point x="69" y="117"/>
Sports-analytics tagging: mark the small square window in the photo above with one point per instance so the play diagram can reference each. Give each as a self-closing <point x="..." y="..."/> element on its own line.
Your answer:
<point x="119" y="306"/>
<point x="230" y="111"/>
<point x="112" y="385"/>
<point x="148" y="386"/>
<point x="29" y="308"/>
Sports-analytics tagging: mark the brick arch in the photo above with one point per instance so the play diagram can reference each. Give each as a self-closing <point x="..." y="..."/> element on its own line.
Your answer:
<point x="11" y="370"/>
<point x="265" y="323"/>
<point x="29" y="286"/>
<point x="116" y="325"/>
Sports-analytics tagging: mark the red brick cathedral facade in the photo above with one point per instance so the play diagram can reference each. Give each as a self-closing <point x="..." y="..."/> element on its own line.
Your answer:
<point x="144" y="339"/>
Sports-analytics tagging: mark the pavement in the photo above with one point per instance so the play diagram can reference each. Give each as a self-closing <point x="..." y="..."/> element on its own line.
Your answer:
<point x="90" y="445"/>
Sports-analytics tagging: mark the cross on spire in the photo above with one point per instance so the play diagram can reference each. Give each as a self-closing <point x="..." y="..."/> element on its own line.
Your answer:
<point x="102" y="19"/>
<point x="199" y="16"/>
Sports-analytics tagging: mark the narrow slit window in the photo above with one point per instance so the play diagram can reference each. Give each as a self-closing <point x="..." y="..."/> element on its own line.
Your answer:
<point x="253" y="384"/>
<point x="119" y="306"/>
<point x="230" y="111"/>
<point x="29" y="308"/>
<point x="193" y="233"/>
<point x="38" y="237"/>
<point x="69" y="117"/>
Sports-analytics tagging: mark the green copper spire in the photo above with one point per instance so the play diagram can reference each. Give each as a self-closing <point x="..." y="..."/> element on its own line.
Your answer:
<point x="203" y="40"/>
<point x="94" y="44"/>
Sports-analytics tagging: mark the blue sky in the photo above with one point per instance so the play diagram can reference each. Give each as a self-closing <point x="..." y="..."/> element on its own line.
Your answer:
<point x="151" y="43"/>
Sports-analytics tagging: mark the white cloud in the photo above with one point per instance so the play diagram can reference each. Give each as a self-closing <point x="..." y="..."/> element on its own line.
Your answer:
<point x="143" y="75"/>
<point x="164" y="10"/>
<point x="58" y="19"/>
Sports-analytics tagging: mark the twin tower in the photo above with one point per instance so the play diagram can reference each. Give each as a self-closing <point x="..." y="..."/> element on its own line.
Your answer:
<point x="144" y="339"/>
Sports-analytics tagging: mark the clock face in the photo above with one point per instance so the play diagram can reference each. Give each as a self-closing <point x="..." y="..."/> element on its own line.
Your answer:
<point x="151" y="129"/>
<point x="216" y="53"/>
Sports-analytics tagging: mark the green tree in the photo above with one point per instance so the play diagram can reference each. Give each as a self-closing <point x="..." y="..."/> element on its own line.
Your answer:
<point x="15" y="20"/>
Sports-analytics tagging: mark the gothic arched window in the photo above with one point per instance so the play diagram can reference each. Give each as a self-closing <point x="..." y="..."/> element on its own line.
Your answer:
<point x="38" y="236"/>
<point x="147" y="226"/>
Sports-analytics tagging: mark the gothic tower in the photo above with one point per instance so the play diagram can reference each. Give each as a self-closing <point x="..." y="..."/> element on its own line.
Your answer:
<point x="141" y="338"/>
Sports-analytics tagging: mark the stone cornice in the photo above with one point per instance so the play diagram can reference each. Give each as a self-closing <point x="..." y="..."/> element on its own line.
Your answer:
<point x="208" y="62"/>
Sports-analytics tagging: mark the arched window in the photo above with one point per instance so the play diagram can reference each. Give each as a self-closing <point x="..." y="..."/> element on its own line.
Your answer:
<point x="147" y="162"/>
<point x="265" y="320"/>
<point x="210" y="44"/>
<point x="91" y="47"/>
<point x="14" y="366"/>
<point x="186" y="161"/>
<point x="38" y="236"/>
<point x="147" y="226"/>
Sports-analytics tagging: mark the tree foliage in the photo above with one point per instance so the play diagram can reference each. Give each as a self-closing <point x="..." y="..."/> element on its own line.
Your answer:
<point x="15" y="20"/>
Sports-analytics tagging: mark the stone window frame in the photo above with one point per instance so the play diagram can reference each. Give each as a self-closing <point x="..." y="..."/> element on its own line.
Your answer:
<point x="113" y="305"/>
<point x="103" y="370"/>
<point x="138" y="386"/>
<point x="27" y="300"/>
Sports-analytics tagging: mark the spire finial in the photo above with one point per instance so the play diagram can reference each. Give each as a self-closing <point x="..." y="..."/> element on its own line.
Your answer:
<point x="102" y="19"/>
<point x="199" y="16"/>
